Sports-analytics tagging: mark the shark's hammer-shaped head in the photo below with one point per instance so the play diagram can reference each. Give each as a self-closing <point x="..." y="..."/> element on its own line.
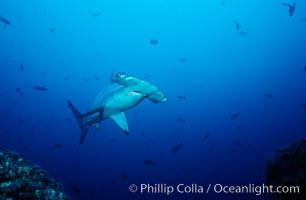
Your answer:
<point x="138" y="85"/>
<point x="124" y="79"/>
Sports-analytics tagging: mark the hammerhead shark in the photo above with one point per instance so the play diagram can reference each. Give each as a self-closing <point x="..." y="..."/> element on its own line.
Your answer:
<point x="124" y="93"/>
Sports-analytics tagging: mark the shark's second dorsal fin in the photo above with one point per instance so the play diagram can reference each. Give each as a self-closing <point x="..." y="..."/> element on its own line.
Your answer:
<point x="120" y="119"/>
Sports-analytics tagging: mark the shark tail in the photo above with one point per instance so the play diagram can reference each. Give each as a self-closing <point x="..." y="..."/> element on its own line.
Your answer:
<point x="83" y="126"/>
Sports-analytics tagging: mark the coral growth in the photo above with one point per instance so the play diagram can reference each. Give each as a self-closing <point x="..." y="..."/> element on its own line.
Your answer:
<point x="287" y="167"/>
<point x="20" y="179"/>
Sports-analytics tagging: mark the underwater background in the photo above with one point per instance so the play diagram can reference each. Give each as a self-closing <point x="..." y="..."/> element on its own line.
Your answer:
<point x="234" y="73"/>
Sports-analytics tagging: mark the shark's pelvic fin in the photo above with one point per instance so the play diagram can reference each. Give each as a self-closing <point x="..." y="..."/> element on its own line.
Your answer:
<point x="97" y="126"/>
<point x="121" y="122"/>
<point x="84" y="127"/>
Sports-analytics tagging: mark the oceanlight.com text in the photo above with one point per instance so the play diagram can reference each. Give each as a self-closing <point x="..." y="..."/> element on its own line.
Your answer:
<point x="195" y="188"/>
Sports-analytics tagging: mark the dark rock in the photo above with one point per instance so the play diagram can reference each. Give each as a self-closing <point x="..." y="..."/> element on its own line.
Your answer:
<point x="287" y="167"/>
<point x="20" y="179"/>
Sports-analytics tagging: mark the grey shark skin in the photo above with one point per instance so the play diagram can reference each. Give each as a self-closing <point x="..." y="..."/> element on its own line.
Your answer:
<point x="125" y="93"/>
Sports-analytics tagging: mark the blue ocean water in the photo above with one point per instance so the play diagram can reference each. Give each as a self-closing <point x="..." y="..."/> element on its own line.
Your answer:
<point x="234" y="72"/>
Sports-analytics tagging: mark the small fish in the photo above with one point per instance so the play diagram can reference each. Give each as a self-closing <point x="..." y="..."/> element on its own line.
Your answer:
<point x="181" y="97"/>
<point x="68" y="119"/>
<point x="150" y="162"/>
<point x="180" y="120"/>
<point x="303" y="19"/>
<point x="176" y="148"/>
<point x="42" y="73"/>
<point x="291" y="8"/>
<point x="13" y="61"/>
<point x="237" y="25"/>
<point x="52" y="115"/>
<point x="242" y="33"/>
<point x="303" y="105"/>
<point x="56" y="146"/>
<point x="20" y="121"/>
<point x="174" y="70"/>
<point x="238" y="144"/>
<point x="124" y="177"/>
<point x="223" y="3"/>
<point x="5" y="21"/>
<point x="18" y="90"/>
<point x="154" y="42"/>
<point x="84" y="80"/>
<point x="67" y="78"/>
<point x="75" y="188"/>
<point x="21" y="67"/>
<point x="40" y="88"/>
<point x="51" y="30"/>
<point x="33" y="130"/>
<point x="95" y="14"/>
<point x="304" y="68"/>
<point x="181" y="59"/>
<point x="97" y="78"/>
<point x="235" y="115"/>
<point x="268" y="95"/>
<point x="205" y="136"/>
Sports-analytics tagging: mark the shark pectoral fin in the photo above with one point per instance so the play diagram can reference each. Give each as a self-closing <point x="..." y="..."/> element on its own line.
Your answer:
<point x="121" y="122"/>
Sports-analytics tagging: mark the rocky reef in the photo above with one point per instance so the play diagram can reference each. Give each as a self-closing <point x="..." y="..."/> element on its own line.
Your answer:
<point x="287" y="167"/>
<point x="20" y="179"/>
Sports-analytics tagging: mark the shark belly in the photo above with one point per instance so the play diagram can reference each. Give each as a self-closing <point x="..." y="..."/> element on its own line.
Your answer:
<point x="116" y="103"/>
<point x="122" y="102"/>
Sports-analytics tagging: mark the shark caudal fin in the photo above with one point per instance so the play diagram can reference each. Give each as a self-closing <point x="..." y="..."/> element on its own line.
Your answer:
<point x="83" y="126"/>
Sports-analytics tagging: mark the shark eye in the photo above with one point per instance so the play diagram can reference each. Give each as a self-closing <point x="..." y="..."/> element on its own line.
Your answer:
<point x="121" y="75"/>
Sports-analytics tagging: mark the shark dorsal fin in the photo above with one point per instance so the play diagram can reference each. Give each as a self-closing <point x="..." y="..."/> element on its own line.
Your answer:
<point x="121" y="122"/>
<point x="111" y="79"/>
